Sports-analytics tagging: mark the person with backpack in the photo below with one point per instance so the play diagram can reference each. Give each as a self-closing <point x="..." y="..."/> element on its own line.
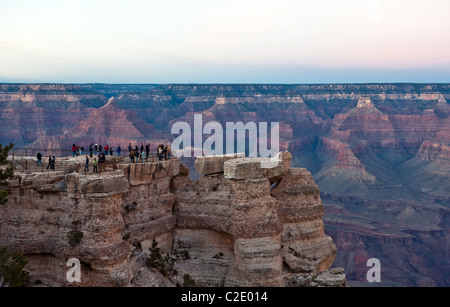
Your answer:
<point x="132" y="156"/>
<point x="136" y="153"/>
<point x="102" y="162"/>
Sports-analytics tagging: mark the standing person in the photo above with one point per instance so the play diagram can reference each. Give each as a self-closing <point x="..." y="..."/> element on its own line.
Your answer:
<point x="106" y="148"/>
<point x="143" y="156"/>
<point x="74" y="150"/>
<point x="142" y="147"/>
<point x="169" y="152"/>
<point x="100" y="149"/>
<point x="96" y="149"/>
<point x="49" y="161"/>
<point x="81" y="150"/>
<point x="164" y="152"/>
<point x="136" y="154"/>
<point x="131" y="156"/>
<point x="39" y="159"/>
<point x="86" y="164"/>
<point x="118" y="149"/>
<point x="129" y="148"/>
<point x="95" y="165"/>
<point x="111" y="151"/>
<point x="160" y="150"/>
<point x="102" y="162"/>
<point x="147" y="150"/>
<point x="91" y="150"/>
<point x="53" y="163"/>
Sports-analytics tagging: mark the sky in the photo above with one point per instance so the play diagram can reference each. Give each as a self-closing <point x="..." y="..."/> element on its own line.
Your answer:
<point x="224" y="41"/>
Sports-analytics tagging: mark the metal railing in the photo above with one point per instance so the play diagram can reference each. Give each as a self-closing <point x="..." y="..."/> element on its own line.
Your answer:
<point x="29" y="163"/>
<point x="45" y="152"/>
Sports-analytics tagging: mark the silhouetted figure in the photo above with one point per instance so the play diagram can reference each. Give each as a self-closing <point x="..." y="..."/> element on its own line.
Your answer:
<point x="52" y="163"/>
<point x="49" y="161"/>
<point x="86" y="164"/>
<point x="136" y="153"/>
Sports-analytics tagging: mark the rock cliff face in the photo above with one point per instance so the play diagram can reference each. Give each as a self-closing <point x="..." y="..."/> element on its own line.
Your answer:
<point x="364" y="144"/>
<point x="231" y="227"/>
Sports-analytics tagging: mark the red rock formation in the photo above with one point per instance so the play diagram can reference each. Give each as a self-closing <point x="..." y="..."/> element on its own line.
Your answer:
<point x="110" y="125"/>
<point x="227" y="229"/>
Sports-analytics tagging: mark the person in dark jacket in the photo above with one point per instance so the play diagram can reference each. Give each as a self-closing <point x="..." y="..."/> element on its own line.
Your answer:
<point x="52" y="163"/>
<point x="39" y="159"/>
<point x="49" y="161"/>
<point x="102" y="162"/>
<point x="86" y="164"/>
<point x="147" y="150"/>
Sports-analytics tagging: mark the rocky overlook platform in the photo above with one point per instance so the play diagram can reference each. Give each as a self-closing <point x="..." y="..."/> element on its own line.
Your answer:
<point x="245" y="222"/>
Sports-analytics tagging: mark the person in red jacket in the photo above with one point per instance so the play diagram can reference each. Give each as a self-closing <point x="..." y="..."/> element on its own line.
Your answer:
<point x="74" y="150"/>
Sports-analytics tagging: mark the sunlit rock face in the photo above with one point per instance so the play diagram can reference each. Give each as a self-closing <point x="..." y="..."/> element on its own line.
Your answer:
<point x="262" y="229"/>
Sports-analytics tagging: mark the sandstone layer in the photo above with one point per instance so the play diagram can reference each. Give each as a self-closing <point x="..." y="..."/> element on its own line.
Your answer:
<point x="264" y="229"/>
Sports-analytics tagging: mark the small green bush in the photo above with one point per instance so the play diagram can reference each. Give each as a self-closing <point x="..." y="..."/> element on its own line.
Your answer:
<point x="74" y="237"/>
<point x="11" y="269"/>
<point x="155" y="260"/>
<point x="188" y="281"/>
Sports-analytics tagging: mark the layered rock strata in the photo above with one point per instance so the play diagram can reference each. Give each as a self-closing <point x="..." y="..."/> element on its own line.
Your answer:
<point x="245" y="222"/>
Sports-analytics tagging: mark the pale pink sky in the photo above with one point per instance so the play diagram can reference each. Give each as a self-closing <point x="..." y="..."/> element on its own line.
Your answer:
<point x="255" y="41"/>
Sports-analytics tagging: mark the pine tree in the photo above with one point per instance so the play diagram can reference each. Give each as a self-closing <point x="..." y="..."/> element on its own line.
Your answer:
<point x="5" y="173"/>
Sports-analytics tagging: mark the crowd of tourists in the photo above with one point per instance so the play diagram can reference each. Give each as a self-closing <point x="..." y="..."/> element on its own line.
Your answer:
<point x="141" y="154"/>
<point x="97" y="152"/>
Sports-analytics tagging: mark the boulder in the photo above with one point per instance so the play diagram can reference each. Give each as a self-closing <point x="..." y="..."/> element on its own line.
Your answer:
<point x="213" y="164"/>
